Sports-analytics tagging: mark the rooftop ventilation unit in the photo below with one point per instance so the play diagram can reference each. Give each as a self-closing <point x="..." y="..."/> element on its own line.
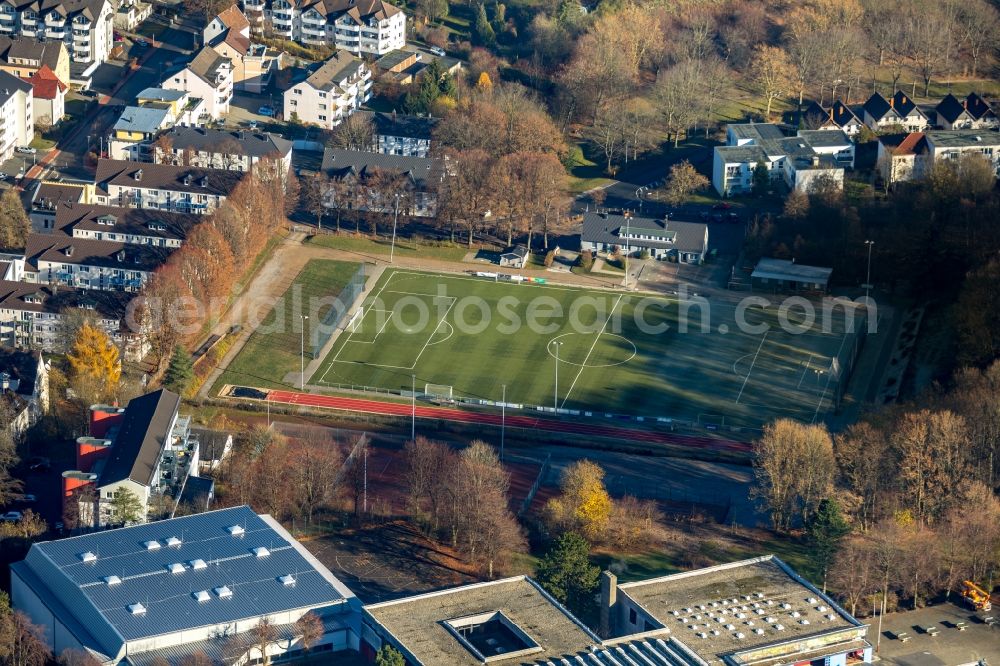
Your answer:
<point x="137" y="609"/>
<point x="831" y="617"/>
<point x="786" y="605"/>
<point x="151" y="545"/>
<point x="730" y="627"/>
<point x="198" y="564"/>
<point x="702" y="634"/>
<point x="112" y="580"/>
<point x="803" y="621"/>
<point x="675" y="613"/>
<point x="173" y="542"/>
<point x="260" y="551"/>
<point x="759" y="595"/>
<point x="223" y="592"/>
<point x="201" y="596"/>
<point x="758" y="631"/>
<point x="740" y="634"/>
<point x="175" y="568"/>
<point x="287" y="580"/>
<point x="821" y="609"/>
<point x="701" y="607"/>
<point x="87" y="557"/>
<point x="811" y="600"/>
<point x="236" y="530"/>
<point x="779" y="627"/>
<point x="794" y="614"/>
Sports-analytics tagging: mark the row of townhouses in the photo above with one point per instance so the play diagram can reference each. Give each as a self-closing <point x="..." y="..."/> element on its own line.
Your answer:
<point x="368" y="27"/>
<point x="900" y="111"/>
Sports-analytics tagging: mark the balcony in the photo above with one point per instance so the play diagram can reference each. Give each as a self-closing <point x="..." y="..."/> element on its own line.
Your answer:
<point x="55" y="22"/>
<point x="55" y="33"/>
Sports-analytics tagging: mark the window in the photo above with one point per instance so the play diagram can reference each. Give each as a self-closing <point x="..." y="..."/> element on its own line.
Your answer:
<point x="322" y="107"/>
<point x="631" y="616"/>
<point x="322" y="117"/>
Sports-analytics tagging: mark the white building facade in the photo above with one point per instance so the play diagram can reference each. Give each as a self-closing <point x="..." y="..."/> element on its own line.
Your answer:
<point x="365" y="27"/>
<point x="85" y="27"/>
<point x="331" y="93"/>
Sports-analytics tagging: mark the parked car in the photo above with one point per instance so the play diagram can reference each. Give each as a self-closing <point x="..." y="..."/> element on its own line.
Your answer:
<point x="28" y="498"/>
<point x="25" y="150"/>
<point x="3" y="176"/>
<point x="252" y="124"/>
<point x="265" y="111"/>
<point x="12" y="516"/>
<point x="722" y="206"/>
<point x="733" y="217"/>
<point x="438" y="51"/>
<point x="141" y="42"/>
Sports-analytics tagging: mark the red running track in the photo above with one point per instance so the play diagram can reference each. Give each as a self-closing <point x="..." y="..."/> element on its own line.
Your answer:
<point x="513" y="420"/>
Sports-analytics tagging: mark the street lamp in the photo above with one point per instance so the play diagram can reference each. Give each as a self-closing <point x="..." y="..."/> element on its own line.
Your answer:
<point x="302" y="355"/>
<point x="413" y="408"/>
<point x="628" y="224"/>
<point x="395" y="217"/>
<point x="868" y="276"/>
<point x="555" y="393"/>
<point x="503" y="420"/>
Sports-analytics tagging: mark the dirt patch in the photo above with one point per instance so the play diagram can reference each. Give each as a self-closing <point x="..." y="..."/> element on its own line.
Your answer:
<point x="388" y="561"/>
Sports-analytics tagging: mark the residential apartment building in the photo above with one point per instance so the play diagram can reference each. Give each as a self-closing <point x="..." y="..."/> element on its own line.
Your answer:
<point x="84" y="26"/>
<point x="166" y="187"/>
<point x="943" y="145"/>
<point x="902" y="157"/>
<point x="414" y="179"/>
<point x="229" y="20"/>
<point x="24" y="386"/>
<point x="132" y="226"/>
<point x="331" y="93"/>
<point x="17" y="115"/>
<point x="880" y="113"/>
<point x="137" y="124"/>
<point x="183" y="589"/>
<point x="32" y="316"/>
<point x="209" y="76"/>
<point x="48" y="97"/>
<point x="87" y="263"/>
<point x="47" y="196"/>
<point x="801" y="162"/>
<point x="23" y="56"/>
<point x="234" y="150"/>
<point x="183" y="108"/>
<point x="399" y="134"/>
<point x="363" y="27"/>
<point x="253" y="64"/>
<point x="131" y="13"/>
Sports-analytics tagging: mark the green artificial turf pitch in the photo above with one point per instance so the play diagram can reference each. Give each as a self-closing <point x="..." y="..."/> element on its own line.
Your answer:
<point x="472" y="334"/>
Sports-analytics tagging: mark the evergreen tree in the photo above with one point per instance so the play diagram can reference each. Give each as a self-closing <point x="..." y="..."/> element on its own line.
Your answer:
<point x="825" y="531"/>
<point x="179" y="372"/>
<point x="389" y="656"/>
<point x="14" y="223"/>
<point x="761" y="179"/>
<point x="126" y="507"/>
<point x="427" y="89"/>
<point x="485" y="34"/>
<point x="567" y="574"/>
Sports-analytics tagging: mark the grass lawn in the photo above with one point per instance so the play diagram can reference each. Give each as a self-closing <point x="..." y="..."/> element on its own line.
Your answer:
<point x="617" y="353"/>
<point x="42" y="145"/>
<point x="272" y="351"/>
<point x="584" y="173"/>
<point x="382" y="246"/>
<point x="645" y="564"/>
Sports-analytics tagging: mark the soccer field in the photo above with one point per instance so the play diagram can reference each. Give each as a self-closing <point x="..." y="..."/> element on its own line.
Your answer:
<point x="576" y="349"/>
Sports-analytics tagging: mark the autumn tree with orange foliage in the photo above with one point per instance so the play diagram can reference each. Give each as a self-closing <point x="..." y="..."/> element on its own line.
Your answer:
<point x="94" y="362"/>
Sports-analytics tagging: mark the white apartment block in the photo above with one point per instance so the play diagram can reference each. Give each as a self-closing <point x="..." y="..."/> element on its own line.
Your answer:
<point x="232" y="150"/>
<point x="800" y="161"/>
<point x="209" y="76"/>
<point x="17" y="124"/>
<point x="947" y="145"/>
<point x="85" y="26"/>
<point x="331" y="93"/>
<point x="369" y="27"/>
<point x="164" y="187"/>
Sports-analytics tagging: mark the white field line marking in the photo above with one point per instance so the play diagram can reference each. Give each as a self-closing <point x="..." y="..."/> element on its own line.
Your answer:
<point x="434" y="332"/>
<point x="829" y="378"/>
<point x="752" y="363"/>
<point x="804" y="371"/>
<point x="583" y="366"/>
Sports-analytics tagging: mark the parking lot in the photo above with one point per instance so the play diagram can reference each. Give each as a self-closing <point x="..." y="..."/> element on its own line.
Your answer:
<point x="934" y="639"/>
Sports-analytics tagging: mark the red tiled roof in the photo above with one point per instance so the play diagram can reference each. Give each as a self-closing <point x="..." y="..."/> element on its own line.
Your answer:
<point x="45" y="83"/>
<point x="233" y="18"/>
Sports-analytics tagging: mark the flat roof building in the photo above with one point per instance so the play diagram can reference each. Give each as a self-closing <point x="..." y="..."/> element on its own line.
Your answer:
<point x="786" y="275"/>
<point x="170" y="589"/>
<point x="756" y="611"/>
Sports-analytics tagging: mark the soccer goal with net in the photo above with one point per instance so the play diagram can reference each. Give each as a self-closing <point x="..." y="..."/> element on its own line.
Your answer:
<point x="438" y="391"/>
<point x="354" y="323"/>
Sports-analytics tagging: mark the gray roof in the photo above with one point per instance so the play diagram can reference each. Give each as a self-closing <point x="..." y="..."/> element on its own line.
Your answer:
<point x="160" y="95"/>
<point x="749" y="596"/>
<point x="136" y="221"/>
<point x="10" y="84"/>
<point x="165" y="177"/>
<point x="647" y="650"/>
<point x="423" y="171"/>
<point x="141" y="437"/>
<point x="783" y="269"/>
<point x="197" y="492"/>
<point x="211" y="443"/>
<point x="412" y="127"/>
<point x="57" y="299"/>
<point x="92" y="252"/>
<point x="756" y="131"/>
<point x="143" y="119"/>
<point x="342" y="65"/>
<point x="21" y="365"/>
<point x="207" y="64"/>
<point x="827" y="138"/>
<point x="750" y="154"/>
<point x="27" y="48"/>
<point x="417" y="623"/>
<point x="79" y="594"/>
<point x="49" y="195"/>
<point x="254" y="144"/>
<point x="608" y="227"/>
<point x="962" y="138"/>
